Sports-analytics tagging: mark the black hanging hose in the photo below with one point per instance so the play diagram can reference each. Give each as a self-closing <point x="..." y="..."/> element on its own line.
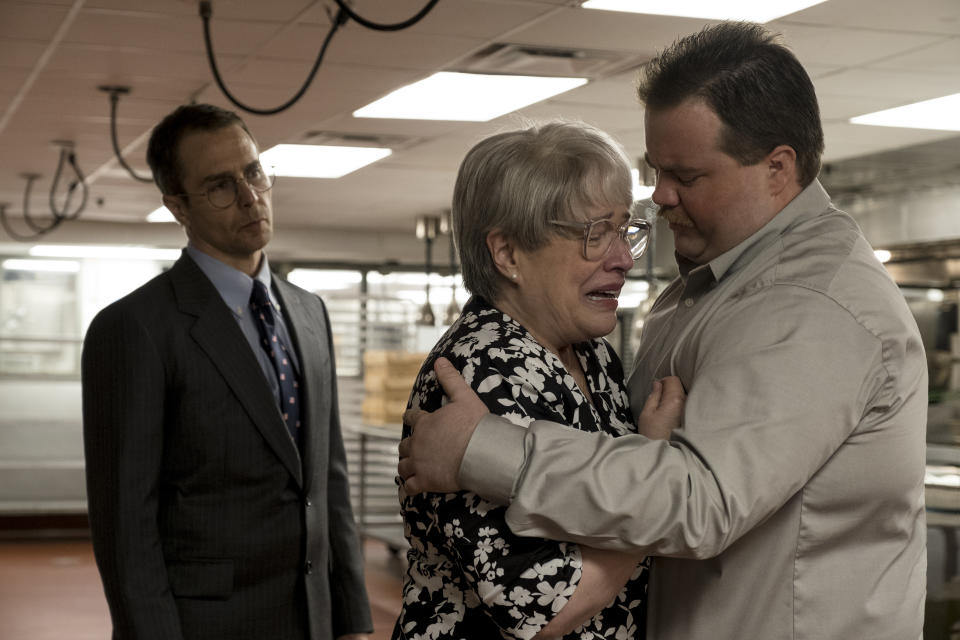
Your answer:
<point x="114" y="100"/>
<point x="18" y="236"/>
<point x="66" y="155"/>
<point x="206" y="10"/>
<point x="386" y="27"/>
<point x="343" y="14"/>
<point x="27" y="218"/>
<point x="71" y="158"/>
<point x="84" y="188"/>
<point x="38" y="230"/>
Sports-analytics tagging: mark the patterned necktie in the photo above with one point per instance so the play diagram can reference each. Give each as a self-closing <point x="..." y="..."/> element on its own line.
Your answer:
<point x="279" y="356"/>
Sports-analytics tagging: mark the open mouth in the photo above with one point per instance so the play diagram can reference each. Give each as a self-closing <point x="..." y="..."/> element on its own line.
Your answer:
<point x="606" y="294"/>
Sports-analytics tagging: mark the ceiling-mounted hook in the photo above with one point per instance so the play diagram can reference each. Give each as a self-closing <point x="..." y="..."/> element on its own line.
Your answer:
<point x="115" y="92"/>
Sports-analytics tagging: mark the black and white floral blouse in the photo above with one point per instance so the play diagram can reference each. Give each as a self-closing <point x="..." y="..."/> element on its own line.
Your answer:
<point x="469" y="576"/>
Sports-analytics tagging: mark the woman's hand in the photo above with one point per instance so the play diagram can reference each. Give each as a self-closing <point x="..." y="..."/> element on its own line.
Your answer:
<point x="663" y="410"/>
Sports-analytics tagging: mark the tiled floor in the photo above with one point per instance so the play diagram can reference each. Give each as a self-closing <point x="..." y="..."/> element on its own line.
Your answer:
<point x="50" y="590"/>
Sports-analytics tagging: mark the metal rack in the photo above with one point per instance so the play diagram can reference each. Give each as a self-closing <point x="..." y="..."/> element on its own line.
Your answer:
<point x="372" y="466"/>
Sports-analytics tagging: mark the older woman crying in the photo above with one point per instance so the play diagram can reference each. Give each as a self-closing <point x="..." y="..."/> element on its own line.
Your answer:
<point x="542" y="220"/>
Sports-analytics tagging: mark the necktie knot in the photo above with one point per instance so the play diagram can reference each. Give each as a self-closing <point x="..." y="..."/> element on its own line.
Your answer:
<point x="259" y="297"/>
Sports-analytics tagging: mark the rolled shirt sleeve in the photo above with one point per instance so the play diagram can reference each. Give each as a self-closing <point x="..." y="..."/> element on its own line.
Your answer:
<point x="494" y="458"/>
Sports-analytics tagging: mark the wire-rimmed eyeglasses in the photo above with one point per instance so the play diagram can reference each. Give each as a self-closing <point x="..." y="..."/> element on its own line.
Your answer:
<point x="598" y="235"/>
<point x="223" y="191"/>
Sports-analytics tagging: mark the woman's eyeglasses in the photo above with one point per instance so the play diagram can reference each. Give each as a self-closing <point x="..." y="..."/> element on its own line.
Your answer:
<point x="598" y="235"/>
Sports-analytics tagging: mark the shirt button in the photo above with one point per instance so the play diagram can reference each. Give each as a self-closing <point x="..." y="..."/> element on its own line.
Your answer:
<point x="309" y="502"/>
<point x="308" y="568"/>
<point x="688" y="302"/>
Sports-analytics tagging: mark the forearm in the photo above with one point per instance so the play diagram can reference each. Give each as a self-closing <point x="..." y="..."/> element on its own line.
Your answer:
<point x="736" y="461"/>
<point x="595" y="499"/>
<point x="628" y="494"/>
<point x="604" y="575"/>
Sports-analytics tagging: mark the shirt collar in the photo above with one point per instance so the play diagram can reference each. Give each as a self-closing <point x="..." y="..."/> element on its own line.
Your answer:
<point x="233" y="285"/>
<point x="810" y="202"/>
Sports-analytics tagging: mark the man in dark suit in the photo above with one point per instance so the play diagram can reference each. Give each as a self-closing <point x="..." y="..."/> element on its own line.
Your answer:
<point x="216" y="473"/>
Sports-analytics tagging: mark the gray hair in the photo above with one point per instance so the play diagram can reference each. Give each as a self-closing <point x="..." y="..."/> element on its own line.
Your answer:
<point x="517" y="181"/>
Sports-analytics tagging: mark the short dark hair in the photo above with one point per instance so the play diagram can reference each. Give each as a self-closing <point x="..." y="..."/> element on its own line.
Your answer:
<point x="754" y="84"/>
<point x="165" y="139"/>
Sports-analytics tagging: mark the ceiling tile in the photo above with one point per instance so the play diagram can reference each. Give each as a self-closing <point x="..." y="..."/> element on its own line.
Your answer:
<point x="918" y="16"/>
<point x="840" y="46"/>
<point x="940" y="57"/>
<point x="20" y="54"/>
<point x="165" y="33"/>
<point x="889" y="88"/>
<point x="30" y="21"/>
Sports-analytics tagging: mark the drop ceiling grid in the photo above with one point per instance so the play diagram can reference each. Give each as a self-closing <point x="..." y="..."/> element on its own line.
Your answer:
<point x="863" y="54"/>
<point x="917" y="16"/>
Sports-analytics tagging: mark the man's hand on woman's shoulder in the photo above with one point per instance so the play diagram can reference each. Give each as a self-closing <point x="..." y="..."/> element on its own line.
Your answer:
<point x="430" y="457"/>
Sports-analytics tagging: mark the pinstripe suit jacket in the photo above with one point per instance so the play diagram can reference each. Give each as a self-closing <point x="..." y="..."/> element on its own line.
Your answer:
<point x="206" y="520"/>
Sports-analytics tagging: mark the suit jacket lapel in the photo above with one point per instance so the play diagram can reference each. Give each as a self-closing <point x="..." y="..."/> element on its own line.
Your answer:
<point x="217" y="333"/>
<point x="309" y="335"/>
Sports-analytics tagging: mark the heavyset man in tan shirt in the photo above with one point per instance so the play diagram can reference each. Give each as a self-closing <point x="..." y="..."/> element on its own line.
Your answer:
<point x="790" y="503"/>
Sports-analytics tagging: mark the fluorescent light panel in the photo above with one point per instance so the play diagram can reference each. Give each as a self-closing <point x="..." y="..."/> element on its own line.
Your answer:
<point x="55" y="266"/>
<point x="751" y="10"/>
<point x="470" y="97"/>
<point x="161" y="215"/>
<point x="319" y="161"/>
<point x="942" y="114"/>
<point x="104" y="252"/>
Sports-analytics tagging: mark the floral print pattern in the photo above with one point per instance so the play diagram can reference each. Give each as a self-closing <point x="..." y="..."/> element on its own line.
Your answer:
<point x="468" y="575"/>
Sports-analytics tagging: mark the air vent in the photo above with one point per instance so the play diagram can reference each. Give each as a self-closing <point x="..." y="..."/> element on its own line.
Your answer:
<point x="522" y="59"/>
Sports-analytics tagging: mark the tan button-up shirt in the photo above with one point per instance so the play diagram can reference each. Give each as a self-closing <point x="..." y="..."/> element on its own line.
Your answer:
<point x="790" y="503"/>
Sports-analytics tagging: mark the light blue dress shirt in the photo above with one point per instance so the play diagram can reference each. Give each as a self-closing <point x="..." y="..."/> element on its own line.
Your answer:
<point x="235" y="287"/>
